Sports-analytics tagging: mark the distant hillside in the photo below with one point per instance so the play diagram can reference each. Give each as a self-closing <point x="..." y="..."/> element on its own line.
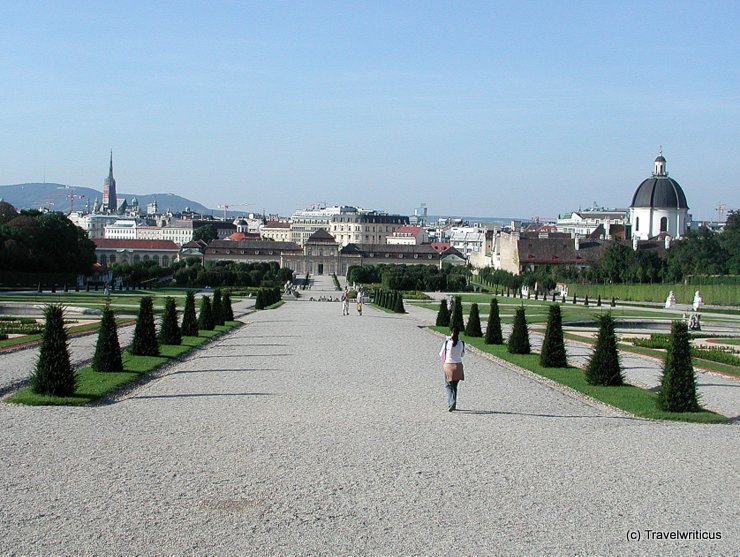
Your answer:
<point x="34" y="196"/>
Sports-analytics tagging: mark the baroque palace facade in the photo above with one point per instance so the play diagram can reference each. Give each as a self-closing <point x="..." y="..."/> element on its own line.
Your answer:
<point x="321" y="254"/>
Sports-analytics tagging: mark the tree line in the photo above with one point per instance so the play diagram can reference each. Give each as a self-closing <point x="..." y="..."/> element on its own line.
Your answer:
<point x="33" y="241"/>
<point x="426" y="278"/>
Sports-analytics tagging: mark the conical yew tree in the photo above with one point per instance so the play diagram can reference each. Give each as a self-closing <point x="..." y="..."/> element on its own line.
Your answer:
<point x="603" y="367"/>
<point x="228" y="310"/>
<point x="145" y="335"/>
<point x="205" y="317"/>
<point x="107" y="355"/>
<point x="457" y="314"/>
<point x="443" y="315"/>
<point x="519" y="338"/>
<point x="678" y="383"/>
<point x="473" y="328"/>
<point x="493" y="329"/>
<point x="53" y="374"/>
<point x="169" y="330"/>
<point x="553" y="345"/>
<point x="217" y="309"/>
<point x="398" y="304"/>
<point x="189" y="320"/>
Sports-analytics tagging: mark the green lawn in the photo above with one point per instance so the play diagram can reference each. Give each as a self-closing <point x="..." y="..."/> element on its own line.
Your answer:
<point x="92" y="385"/>
<point x="633" y="400"/>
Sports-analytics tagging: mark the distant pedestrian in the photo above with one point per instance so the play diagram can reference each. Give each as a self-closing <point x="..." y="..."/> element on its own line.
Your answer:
<point x="359" y="306"/>
<point x="345" y="302"/>
<point x="452" y="353"/>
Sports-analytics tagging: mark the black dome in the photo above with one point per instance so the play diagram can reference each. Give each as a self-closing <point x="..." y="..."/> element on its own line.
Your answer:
<point x="660" y="191"/>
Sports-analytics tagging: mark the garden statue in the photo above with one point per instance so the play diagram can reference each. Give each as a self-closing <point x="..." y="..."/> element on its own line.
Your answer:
<point x="694" y="324"/>
<point x="698" y="302"/>
<point x="671" y="300"/>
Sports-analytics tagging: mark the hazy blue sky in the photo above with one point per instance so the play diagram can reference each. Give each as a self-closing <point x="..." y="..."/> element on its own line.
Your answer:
<point x="476" y="108"/>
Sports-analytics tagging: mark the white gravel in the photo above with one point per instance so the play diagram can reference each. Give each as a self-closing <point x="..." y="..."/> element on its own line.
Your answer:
<point x="309" y="433"/>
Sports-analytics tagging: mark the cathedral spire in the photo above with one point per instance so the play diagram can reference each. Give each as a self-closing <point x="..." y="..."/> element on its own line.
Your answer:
<point x="110" y="199"/>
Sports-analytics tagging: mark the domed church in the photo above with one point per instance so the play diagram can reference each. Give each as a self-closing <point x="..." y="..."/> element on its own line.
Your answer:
<point x="658" y="206"/>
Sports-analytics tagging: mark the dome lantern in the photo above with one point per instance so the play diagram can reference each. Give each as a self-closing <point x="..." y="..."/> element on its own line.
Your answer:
<point x="660" y="166"/>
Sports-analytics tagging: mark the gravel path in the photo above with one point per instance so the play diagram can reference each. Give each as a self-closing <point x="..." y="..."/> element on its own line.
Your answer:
<point x="305" y="432"/>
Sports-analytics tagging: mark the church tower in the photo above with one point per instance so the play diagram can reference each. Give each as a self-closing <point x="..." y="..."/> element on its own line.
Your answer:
<point x="110" y="201"/>
<point x="659" y="205"/>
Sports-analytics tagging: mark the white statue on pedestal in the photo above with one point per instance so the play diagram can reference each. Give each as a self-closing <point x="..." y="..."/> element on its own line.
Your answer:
<point x="671" y="300"/>
<point x="698" y="302"/>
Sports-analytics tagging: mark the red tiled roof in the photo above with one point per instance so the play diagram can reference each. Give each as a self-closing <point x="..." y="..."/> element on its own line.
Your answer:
<point x="105" y="243"/>
<point x="238" y="236"/>
<point x="440" y="246"/>
<point x="408" y="230"/>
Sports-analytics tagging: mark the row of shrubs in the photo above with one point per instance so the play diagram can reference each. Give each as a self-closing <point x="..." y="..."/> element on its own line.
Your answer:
<point x="54" y="375"/>
<point x="389" y="299"/>
<point x="266" y="297"/>
<point x="678" y="383"/>
<point x="19" y="326"/>
<point x="519" y="294"/>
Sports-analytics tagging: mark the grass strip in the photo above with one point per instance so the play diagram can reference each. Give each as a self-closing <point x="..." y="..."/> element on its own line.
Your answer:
<point x="92" y="385"/>
<point x="631" y="399"/>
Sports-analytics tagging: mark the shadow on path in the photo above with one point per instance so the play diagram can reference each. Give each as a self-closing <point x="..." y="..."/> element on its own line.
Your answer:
<point x="200" y="395"/>
<point x="242" y="356"/>
<point x="227" y="369"/>
<point x="505" y="413"/>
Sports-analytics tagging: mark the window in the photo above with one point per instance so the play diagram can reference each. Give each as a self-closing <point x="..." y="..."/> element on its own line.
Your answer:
<point x="103" y="259"/>
<point x="165" y="261"/>
<point x="664" y="224"/>
<point x="637" y="224"/>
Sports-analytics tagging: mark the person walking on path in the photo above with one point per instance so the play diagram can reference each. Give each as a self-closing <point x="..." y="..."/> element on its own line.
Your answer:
<point x="359" y="305"/>
<point x="452" y="353"/>
<point x="345" y="302"/>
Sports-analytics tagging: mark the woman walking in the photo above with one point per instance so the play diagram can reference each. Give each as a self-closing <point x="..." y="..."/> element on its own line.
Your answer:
<point x="452" y="353"/>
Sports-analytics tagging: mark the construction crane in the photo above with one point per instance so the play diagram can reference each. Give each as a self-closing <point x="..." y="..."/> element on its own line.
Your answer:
<point x="720" y="212"/>
<point x="71" y="196"/>
<point x="226" y="206"/>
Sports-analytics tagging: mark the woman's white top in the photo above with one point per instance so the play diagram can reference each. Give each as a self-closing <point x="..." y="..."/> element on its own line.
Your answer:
<point x="454" y="354"/>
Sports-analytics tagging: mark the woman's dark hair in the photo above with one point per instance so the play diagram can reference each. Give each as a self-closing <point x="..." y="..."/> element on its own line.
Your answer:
<point x="454" y="333"/>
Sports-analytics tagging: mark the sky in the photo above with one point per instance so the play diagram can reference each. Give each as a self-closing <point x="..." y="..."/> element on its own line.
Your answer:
<point x="499" y="109"/>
